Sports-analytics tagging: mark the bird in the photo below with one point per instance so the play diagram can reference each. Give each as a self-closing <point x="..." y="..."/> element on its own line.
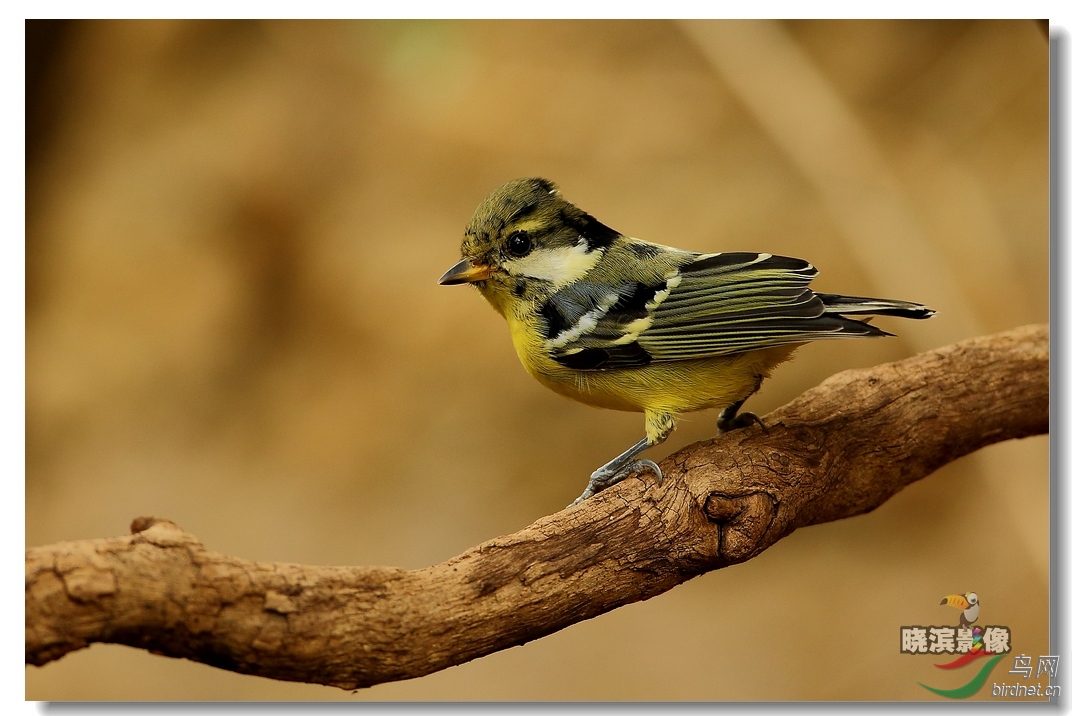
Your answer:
<point x="969" y="603"/>
<point x="617" y="322"/>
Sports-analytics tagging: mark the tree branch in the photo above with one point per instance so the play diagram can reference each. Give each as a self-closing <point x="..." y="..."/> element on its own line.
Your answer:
<point x="838" y="450"/>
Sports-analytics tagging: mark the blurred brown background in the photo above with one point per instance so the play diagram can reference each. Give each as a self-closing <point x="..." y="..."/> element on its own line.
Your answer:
<point x="234" y="231"/>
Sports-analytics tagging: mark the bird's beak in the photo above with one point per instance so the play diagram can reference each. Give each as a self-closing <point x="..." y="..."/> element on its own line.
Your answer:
<point x="465" y="271"/>
<point x="955" y="600"/>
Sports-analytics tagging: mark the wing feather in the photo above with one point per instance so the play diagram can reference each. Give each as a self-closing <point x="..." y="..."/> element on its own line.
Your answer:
<point x="711" y="305"/>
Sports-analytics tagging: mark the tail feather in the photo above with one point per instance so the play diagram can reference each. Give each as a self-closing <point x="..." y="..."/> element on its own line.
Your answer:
<point x="856" y="305"/>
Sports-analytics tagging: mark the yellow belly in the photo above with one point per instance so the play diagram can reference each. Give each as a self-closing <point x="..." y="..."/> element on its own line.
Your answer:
<point x="672" y="387"/>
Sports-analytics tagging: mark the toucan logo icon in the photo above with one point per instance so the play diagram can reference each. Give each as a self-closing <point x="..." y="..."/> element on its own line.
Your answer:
<point x="969" y="603"/>
<point x="971" y="642"/>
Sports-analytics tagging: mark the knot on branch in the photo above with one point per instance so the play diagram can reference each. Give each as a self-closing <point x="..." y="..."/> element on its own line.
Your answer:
<point x="741" y="520"/>
<point x="140" y="524"/>
<point x="161" y="531"/>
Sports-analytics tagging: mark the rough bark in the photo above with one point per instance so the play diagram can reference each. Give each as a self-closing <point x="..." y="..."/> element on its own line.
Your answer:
<point x="838" y="450"/>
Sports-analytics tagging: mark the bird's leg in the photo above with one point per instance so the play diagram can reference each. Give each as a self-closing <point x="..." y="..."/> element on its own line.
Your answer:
<point x="659" y="426"/>
<point x="729" y="419"/>
<point x="617" y="470"/>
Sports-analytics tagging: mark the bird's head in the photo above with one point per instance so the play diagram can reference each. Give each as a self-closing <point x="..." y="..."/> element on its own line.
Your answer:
<point x="972" y="598"/>
<point x="525" y="241"/>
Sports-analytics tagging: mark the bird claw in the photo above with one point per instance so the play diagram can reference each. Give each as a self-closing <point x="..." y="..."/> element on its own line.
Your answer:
<point x="651" y="466"/>
<point x="740" y="420"/>
<point x="604" y="477"/>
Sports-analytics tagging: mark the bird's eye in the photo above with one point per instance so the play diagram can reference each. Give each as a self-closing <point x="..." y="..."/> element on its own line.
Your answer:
<point x="518" y="244"/>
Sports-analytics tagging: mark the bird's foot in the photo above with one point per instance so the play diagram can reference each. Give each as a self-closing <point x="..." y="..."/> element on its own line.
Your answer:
<point x="609" y="475"/>
<point x="737" y="421"/>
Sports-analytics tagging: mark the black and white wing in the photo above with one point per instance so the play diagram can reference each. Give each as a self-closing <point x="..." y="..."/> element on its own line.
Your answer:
<point x="710" y="305"/>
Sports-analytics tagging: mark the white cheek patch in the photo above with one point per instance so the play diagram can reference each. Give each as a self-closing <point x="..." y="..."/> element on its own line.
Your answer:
<point x="560" y="266"/>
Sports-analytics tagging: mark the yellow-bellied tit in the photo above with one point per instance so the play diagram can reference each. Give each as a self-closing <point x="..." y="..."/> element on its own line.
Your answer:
<point x="969" y="603"/>
<point x="620" y="323"/>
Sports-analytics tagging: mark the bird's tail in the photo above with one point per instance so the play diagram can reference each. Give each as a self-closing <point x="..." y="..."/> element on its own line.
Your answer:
<point x="858" y="306"/>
